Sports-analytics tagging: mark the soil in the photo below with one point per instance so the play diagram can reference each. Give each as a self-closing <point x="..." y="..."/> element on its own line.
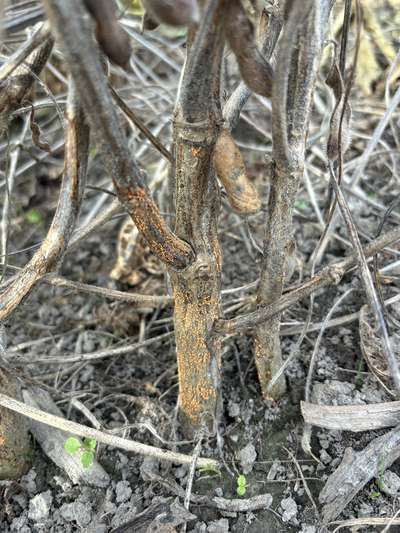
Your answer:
<point x="255" y="437"/>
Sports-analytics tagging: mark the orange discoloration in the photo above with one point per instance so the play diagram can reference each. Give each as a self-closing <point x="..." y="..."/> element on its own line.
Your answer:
<point x="196" y="151"/>
<point x="195" y="312"/>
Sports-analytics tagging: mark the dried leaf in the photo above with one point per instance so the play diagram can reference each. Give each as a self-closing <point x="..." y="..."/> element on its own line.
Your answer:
<point x="256" y="72"/>
<point x="173" y="12"/>
<point x="230" y="169"/>
<point x="368" y="69"/>
<point x="36" y="133"/>
<point x="371" y="346"/>
<point x="334" y="80"/>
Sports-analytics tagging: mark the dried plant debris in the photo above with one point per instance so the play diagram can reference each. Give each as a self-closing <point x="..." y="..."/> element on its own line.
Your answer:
<point x="135" y="265"/>
<point x="256" y="72"/>
<point x="352" y="417"/>
<point x="339" y="130"/>
<point x="231" y="171"/>
<point x="173" y="12"/>
<point x="371" y="346"/>
<point x="356" y="470"/>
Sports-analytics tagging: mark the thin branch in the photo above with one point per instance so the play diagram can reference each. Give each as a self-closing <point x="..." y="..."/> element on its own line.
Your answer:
<point x="18" y="359"/>
<point x="367" y="280"/>
<point x="306" y="438"/>
<point x="41" y="35"/>
<point x="110" y="294"/>
<point x="101" y="436"/>
<point x="330" y="275"/>
<point x="20" y="71"/>
<point x="48" y="256"/>
<point x="141" y="126"/>
<point x="82" y="58"/>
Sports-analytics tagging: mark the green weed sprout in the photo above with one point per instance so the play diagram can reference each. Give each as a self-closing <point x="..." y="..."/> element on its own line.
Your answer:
<point x="241" y="485"/>
<point x="86" y="448"/>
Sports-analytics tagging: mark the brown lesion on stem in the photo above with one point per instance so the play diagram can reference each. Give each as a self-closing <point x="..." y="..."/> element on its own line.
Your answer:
<point x="197" y="289"/>
<point x="173" y="251"/>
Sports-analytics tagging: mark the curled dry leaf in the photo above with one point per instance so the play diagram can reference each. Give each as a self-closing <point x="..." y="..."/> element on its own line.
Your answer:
<point x="371" y="346"/>
<point x="109" y="34"/>
<point x="256" y="72"/>
<point x="36" y="133"/>
<point x="335" y="81"/>
<point x="173" y="12"/>
<point x="230" y="169"/>
<point x="135" y="264"/>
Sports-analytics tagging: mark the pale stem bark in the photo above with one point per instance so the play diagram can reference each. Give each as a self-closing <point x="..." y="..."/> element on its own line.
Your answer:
<point x="297" y="63"/>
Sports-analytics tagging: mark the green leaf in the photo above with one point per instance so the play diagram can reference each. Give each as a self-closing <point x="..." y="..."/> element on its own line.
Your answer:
<point x="87" y="459"/>
<point x="33" y="216"/>
<point x="375" y="494"/>
<point x="210" y="469"/>
<point x="241" y="481"/>
<point x="90" y="444"/>
<point x="72" y="445"/>
<point x="241" y="490"/>
<point x="301" y="205"/>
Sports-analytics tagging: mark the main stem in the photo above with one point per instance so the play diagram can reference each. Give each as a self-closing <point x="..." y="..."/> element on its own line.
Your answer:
<point x="197" y="289"/>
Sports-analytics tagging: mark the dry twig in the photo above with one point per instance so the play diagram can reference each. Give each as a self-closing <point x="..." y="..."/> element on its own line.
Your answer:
<point x="105" y="438"/>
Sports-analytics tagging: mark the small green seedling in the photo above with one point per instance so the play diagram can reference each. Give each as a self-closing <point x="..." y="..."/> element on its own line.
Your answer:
<point x="375" y="494"/>
<point x="209" y="471"/>
<point x="33" y="217"/>
<point x="241" y="485"/>
<point x="87" y="449"/>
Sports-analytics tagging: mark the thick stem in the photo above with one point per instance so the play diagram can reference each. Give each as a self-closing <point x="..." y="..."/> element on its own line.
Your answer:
<point x="297" y="63"/>
<point x="197" y="289"/>
<point x="277" y="246"/>
<point x="15" y="444"/>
